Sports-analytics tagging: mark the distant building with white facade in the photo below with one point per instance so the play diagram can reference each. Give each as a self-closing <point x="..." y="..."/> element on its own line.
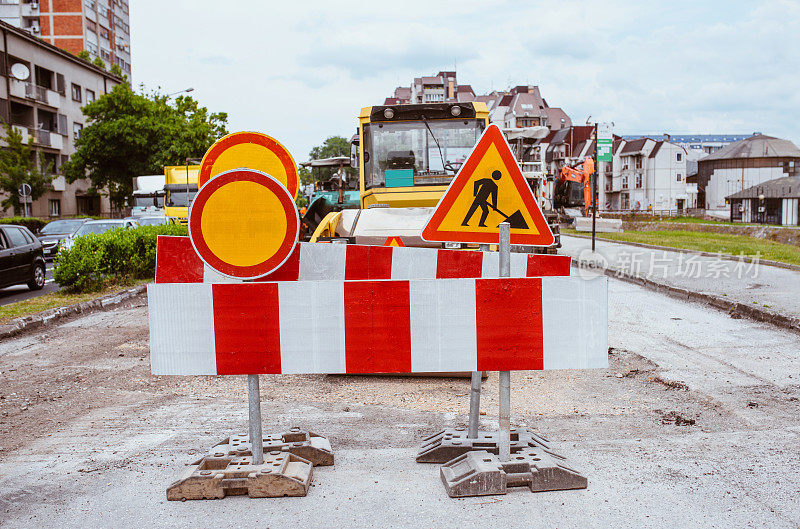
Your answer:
<point x="648" y="175"/>
<point x="743" y="164"/>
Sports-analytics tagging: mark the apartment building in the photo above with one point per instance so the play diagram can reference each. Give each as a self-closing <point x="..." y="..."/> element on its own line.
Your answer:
<point x="100" y="27"/>
<point x="520" y="107"/>
<point x="647" y="175"/>
<point x="42" y="90"/>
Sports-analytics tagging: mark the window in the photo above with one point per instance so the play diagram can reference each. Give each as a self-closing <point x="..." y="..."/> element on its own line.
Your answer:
<point x="638" y="181"/>
<point x="625" y="183"/>
<point x="680" y="156"/>
<point x="76" y="92"/>
<point x="679" y="175"/>
<point x="16" y="237"/>
<point x="103" y="32"/>
<point x="90" y="97"/>
<point x="105" y="54"/>
<point x="638" y="162"/>
<point x="76" y="130"/>
<point x="91" y="25"/>
<point x="55" y="207"/>
<point x="89" y="3"/>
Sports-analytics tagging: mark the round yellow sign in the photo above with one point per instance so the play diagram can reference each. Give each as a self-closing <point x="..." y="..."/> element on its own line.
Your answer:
<point x="251" y="150"/>
<point x="243" y="223"/>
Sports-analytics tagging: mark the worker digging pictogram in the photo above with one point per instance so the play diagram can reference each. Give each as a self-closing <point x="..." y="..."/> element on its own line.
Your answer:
<point x="235" y="303"/>
<point x="488" y="189"/>
<point x="486" y="198"/>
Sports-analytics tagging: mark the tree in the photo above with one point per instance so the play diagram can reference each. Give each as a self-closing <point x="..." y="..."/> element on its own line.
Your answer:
<point x="18" y="166"/>
<point x="85" y="56"/>
<point x="331" y="147"/>
<point x="131" y="134"/>
<point x="99" y="63"/>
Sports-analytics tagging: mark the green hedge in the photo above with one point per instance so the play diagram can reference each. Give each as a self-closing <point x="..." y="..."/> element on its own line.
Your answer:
<point x="115" y="255"/>
<point x="32" y="223"/>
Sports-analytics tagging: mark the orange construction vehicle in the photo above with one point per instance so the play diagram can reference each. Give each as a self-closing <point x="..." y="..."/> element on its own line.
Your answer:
<point x="569" y="184"/>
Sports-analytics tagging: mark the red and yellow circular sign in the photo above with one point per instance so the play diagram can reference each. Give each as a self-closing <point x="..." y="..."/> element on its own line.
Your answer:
<point x="251" y="150"/>
<point x="243" y="223"/>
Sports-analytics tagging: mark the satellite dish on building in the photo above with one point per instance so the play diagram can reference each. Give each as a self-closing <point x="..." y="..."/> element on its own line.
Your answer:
<point x="20" y="71"/>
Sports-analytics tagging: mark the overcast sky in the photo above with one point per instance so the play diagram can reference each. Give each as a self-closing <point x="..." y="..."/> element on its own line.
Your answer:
<point x="301" y="70"/>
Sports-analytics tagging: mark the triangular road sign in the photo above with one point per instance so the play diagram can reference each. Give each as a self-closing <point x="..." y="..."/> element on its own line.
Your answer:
<point x="488" y="189"/>
<point x="394" y="241"/>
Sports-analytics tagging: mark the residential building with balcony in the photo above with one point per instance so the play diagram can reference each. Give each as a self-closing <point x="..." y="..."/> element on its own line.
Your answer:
<point x="42" y="90"/>
<point x="101" y="27"/>
<point x="647" y="175"/>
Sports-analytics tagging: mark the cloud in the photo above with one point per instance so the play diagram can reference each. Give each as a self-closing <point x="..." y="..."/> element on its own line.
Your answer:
<point x="301" y="71"/>
<point x="216" y="60"/>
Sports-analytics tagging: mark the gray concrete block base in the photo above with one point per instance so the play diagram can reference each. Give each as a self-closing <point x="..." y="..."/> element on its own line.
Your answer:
<point x="297" y="441"/>
<point x="480" y="473"/>
<point x="450" y="443"/>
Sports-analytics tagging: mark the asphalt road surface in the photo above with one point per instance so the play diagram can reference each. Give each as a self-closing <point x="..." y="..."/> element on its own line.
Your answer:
<point x="696" y="423"/>
<point x="22" y="292"/>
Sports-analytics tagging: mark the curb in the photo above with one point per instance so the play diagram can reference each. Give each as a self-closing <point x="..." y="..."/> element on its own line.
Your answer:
<point x="734" y="308"/>
<point x="727" y="257"/>
<point x="43" y="318"/>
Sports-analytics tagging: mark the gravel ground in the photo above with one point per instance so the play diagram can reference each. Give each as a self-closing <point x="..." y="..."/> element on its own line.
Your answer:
<point x="690" y="426"/>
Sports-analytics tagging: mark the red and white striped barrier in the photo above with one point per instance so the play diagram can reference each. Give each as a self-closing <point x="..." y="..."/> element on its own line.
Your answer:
<point x="177" y="262"/>
<point x="401" y="326"/>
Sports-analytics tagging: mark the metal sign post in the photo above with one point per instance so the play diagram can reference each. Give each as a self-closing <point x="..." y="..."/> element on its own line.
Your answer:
<point x="505" y="376"/>
<point x="475" y="392"/>
<point x="254" y="405"/>
<point x="24" y="193"/>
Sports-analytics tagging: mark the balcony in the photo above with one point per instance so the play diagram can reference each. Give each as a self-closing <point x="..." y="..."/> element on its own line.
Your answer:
<point x="45" y="138"/>
<point x="34" y="92"/>
<point x="59" y="183"/>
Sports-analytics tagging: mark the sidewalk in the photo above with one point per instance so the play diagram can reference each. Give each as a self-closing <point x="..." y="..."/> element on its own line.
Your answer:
<point x="768" y="289"/>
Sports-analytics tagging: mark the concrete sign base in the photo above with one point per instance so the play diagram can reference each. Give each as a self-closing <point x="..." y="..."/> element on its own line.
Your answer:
<point x="453" y="442"/>
<point x="480" y="473"/>
<point x="212" y="477"/>
<point x="302" y="443"/>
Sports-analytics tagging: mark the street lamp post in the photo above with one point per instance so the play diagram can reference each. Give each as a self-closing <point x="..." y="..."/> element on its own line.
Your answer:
<point x="185" y="90"/>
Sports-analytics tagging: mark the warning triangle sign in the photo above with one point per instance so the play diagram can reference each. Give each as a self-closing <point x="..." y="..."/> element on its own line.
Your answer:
<point x="488" y="189"/>
<point x="394" y="241"/>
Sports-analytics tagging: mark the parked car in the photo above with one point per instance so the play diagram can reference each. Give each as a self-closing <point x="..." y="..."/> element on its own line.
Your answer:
<point x="21" y="258"/>
<point x="56" y="231"/>
<point x="97" y="226"/>
<point x="152" y="220"/>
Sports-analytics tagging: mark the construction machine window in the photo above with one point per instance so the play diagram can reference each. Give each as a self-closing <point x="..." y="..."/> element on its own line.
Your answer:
<point x="178" y="198"/>
<point x="430" y="154"/>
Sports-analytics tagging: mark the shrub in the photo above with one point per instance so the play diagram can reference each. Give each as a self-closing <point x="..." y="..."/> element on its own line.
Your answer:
<point x="32" y="223"/>
<point x="118" y="254"/>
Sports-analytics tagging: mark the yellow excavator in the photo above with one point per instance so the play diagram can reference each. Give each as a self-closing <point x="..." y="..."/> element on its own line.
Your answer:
<point x="406" y="156"/>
